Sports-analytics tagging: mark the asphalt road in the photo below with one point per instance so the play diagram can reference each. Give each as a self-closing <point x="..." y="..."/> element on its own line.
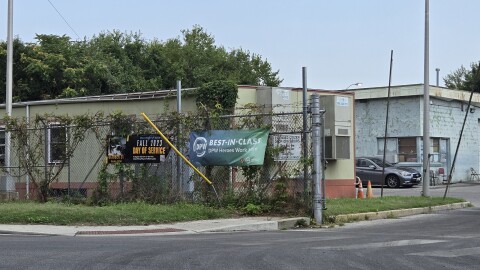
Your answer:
<point x="443" y="240"/>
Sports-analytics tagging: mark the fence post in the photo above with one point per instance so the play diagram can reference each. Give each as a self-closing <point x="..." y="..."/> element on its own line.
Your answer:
<point x="121" y="180"/>
<point x="317" y="159"/>
<point x="304" y="135"/>
<point x="68" y="161"/>
<point x="179" y="143"/>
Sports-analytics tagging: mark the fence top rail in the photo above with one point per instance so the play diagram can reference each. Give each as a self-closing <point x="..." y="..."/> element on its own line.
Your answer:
<point x="110" y="97"/>
<point x="101" y="123"/>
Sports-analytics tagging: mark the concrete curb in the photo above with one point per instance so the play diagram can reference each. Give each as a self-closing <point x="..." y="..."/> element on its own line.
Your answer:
<point x="273" y="225"/>
<point x="399" y="213"/>
<point x="192" y="227"/>
<point x="291" y="223"/>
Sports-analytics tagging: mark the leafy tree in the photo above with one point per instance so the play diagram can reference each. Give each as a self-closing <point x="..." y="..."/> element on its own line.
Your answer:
<point x="116" y="62"/>
<point x="464" y="79"/>
<point x="20" y="84"/>
<point x="50" y="67"/>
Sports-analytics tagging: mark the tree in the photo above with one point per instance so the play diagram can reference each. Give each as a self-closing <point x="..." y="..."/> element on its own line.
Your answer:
<point x="464" y="79"/>
<point x="20" y="84"/>
<point x="116" y="62"/>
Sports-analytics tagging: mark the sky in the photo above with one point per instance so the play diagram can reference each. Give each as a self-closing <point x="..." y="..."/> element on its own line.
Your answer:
<point x="340" y="42"/>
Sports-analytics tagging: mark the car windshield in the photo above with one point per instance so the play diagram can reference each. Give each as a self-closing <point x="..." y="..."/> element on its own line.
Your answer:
<point x="379" y="162"/>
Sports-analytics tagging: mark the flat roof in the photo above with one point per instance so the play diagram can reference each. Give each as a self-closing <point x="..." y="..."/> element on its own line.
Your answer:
<point x="159" y="94"/>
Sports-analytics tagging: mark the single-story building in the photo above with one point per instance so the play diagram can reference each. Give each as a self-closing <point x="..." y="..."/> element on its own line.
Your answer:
<point x="447" y="111"/>
<point x="84" y="166"/>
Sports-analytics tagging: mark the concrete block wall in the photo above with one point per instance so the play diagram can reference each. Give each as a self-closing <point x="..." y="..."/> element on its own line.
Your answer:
<point x="446" y="121"/>
<point x="404" y="115"/>
<point x="406" y="119"/>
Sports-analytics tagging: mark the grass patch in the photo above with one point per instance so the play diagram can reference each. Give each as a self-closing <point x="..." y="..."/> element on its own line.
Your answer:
<point x="350" y="206"/>
<point x="118" y="214"/>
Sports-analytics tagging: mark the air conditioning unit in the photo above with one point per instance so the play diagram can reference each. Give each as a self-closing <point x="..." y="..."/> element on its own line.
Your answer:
<point x="337" y="126"/>
<point x="337" y="147"/>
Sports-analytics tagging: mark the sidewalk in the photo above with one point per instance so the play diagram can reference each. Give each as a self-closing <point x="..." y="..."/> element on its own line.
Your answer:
<point x="201" y="226"/>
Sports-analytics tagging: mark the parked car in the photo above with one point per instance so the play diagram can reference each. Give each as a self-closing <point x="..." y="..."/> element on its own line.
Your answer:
<point x="370" y="168"/>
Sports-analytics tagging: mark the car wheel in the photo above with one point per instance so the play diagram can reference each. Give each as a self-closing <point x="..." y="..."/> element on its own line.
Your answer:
<point x="392" y="181"/>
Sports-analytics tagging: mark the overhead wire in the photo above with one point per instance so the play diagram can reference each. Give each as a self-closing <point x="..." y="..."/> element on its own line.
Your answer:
<point x="71" y="28"/>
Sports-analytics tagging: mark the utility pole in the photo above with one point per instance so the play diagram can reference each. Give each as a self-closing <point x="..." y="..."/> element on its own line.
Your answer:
<point x="10" y="184"/>
<point x="426" y="110"/>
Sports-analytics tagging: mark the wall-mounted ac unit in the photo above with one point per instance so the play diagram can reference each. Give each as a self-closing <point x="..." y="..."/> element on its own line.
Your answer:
<point x="337" y="147"/>
<point x="337" y="126"/>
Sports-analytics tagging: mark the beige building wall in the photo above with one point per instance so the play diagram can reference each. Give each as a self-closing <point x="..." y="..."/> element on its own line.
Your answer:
<point x="340" y="173"/>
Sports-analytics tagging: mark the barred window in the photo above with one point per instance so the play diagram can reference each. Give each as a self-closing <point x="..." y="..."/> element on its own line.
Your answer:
<point x="57" y="143"/>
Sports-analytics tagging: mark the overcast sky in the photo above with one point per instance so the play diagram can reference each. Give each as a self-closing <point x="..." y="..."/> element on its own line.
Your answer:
<point x="341" y="42"/>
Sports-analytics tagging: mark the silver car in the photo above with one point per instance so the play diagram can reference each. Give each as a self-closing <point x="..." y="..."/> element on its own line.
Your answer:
<point x="370" y="168"/>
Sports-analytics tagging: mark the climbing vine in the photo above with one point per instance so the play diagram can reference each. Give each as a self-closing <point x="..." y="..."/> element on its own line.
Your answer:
<point x="60" y="134"/>
<point x="218" y="94"/>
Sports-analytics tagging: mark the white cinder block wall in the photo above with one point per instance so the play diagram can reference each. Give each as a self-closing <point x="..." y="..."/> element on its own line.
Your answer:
<point x="406" y="120"/>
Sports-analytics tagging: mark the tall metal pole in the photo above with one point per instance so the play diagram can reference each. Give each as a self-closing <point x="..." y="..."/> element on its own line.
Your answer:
<point x="386" y="122"/>
<point x="452" y="168"/>
<point x="179" y="143"/>
<point x="8" y="100"/>
<point x="305" y="130"/>
<point x="426" y="110"/>
<point x="317" y="159"/>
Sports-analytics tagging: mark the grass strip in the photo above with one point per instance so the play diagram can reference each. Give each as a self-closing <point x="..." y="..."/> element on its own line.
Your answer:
<point x="143" y="214"/>
<point x="350" y="206"/>
<point x="117" y="214"/>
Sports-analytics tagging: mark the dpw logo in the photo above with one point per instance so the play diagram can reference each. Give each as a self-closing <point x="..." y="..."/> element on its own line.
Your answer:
<point x="200" y="146"/>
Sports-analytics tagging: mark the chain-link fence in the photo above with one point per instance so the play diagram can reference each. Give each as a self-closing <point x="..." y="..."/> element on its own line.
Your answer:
<point x="68" y="160"/>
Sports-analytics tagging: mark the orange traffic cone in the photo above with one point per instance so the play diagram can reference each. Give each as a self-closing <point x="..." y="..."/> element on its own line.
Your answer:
<point x="369" y="190"/>
<point x="359" y="189"/>
<point x="360" y="192"/>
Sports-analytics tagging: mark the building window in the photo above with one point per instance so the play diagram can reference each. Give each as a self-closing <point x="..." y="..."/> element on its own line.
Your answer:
<point x="57" y="143"/>
<point x="407" y="149"/>
<point x="435" y="149"/>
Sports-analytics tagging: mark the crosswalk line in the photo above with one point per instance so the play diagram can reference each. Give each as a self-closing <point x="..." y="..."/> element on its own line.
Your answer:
<point x="450" y="253"/>
<point x="398" y="243"/>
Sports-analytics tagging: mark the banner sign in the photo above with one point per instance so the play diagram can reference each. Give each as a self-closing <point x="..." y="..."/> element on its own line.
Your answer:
<point x="116" y="149"/>
<point x="137" y="148"/>
<point x="290" y="146"/>
<point x="228" y="147"/>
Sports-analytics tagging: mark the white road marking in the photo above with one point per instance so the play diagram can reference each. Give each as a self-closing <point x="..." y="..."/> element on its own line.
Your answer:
<point x="384" y="244"/>
<point x="298" y="240"/>
<point x="450" y="253"/>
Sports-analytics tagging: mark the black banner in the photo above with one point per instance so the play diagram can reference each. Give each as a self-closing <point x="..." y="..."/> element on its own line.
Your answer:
<point x="137" y="148"/>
